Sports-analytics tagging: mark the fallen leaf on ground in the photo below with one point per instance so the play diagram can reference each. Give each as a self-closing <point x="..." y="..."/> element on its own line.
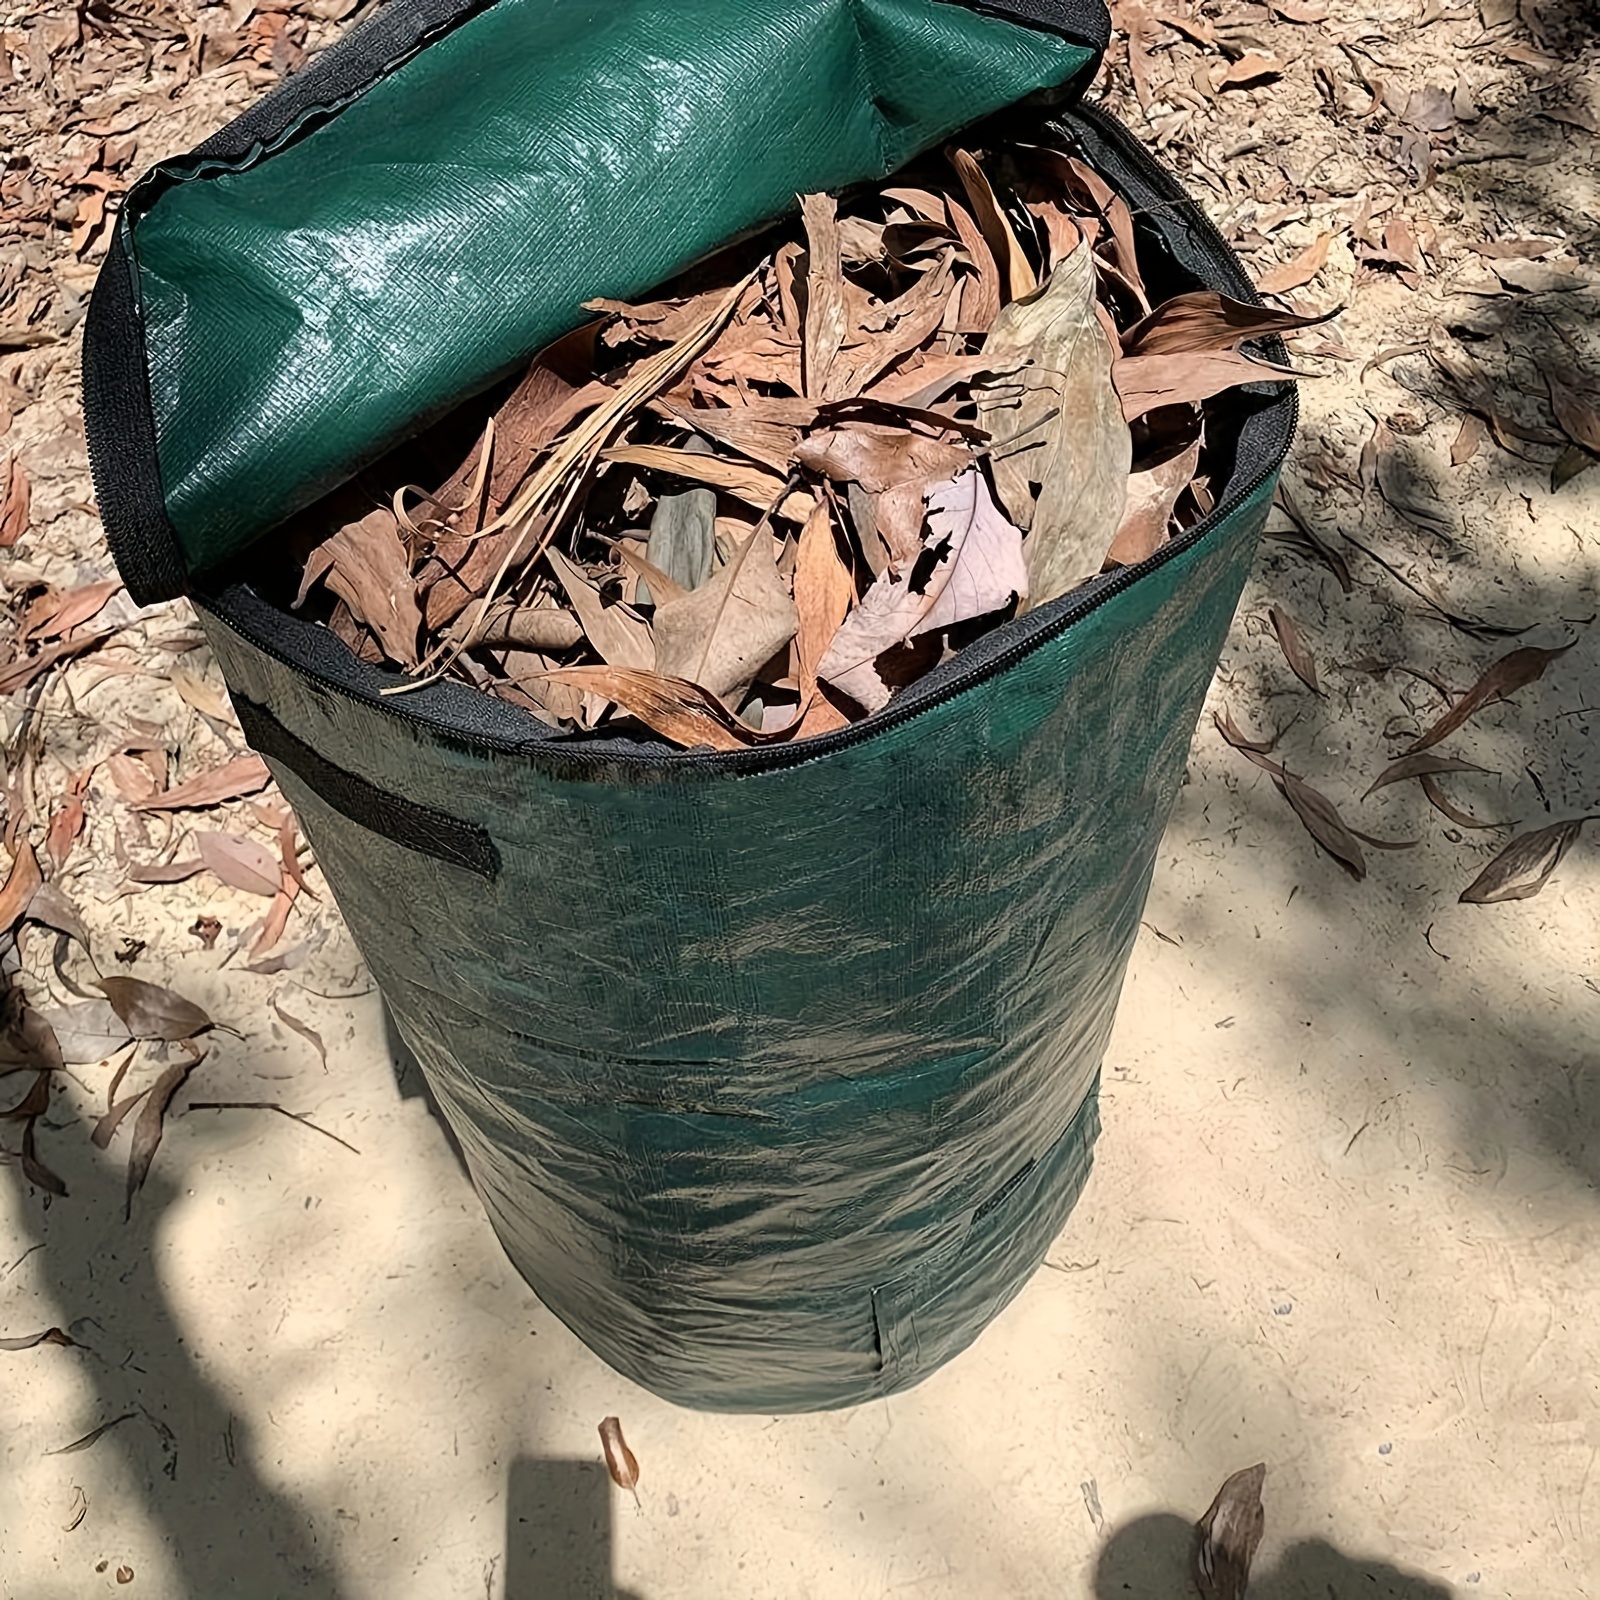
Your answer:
<point x="1510" y="673"/>
<point x="87" y="1033"/>
<point x="241" y="776"/>
<point x="305" y="1030"/>
<point x="148" y="1129"/>
<point x="1524" y="867"/>
<point x="14" y="500"/>
<point x="1299" y="270"/>
<point x="1579" y="418"/>
<point x="22" y="883"/>
<point x="243" y="864"/>
<point x="1250" y="69"/>
<point x="29" y="1341"/>
<point x="1440" y="801"/>
<point x="620" y="1460"/>
<point x="92" y="1436"/>
<point x="149" y="1011"/>
<point x="52" y="908"/>
<point x="1229" y="1534"/>
<point x="1295" y="650"/>
<point x="1421" y="765"/>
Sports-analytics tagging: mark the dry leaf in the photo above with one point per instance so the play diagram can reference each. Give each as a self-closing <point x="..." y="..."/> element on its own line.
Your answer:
<point x="1146" y="383"/>
<point x="33" y="1169"/>
<point x="240" y="863"/>
<point x="997" y="233"/>
<point x="209" y="699"/>
<point x="1228" y="1535"/>
<point x="85" y="1034"/>
<point x="1205" y="320"/>
<point x="1398" y="482"/>
<point x="978" y="568"/>
<point x="756" y="486"/>
<point x="1055" y="421"/>
<point x="30" y="1341"/>
<point x="53" y="909"/>
<point x="721" y="634"/>
<point x="67" y="822"/>
<point x="1440" y="801"/>
<point x="1469" y="439"/>
<point x="826" y="316"/>
<point x="1420" y="765"/>
<point x="69" y="609"/>
<point x="1152" y="495"/>
<point x="241" y="776"/>
<point x="14" y="502"/>
<point x="1299" y="271"/>
<point x="620" y="1460"/>
<point x="678" y="710"/>
<point x="619" y="638"/>
<point x="1524" y="867"/>
<point x="305" y="1030"/>
<point x="1579" y="419"/>
<point x="1250" y="69"/>
<point x="1537" y="277"/>
<point x="1510" y="673"/>
<point x="822" y="596"/>
<point x="22" y="883"/>
<point x="147" y="1130"/>
<point x="150" y="1011"/>
<point x="1295" y="651"/>
<point x="93" y="1435"/>
<point x="369" y="571"/>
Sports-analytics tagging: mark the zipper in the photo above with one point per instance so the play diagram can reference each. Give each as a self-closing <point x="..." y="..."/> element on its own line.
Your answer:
<point x="580" y="760"/>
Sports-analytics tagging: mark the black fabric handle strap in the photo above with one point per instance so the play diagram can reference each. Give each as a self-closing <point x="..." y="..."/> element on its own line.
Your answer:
<point x="417" y="827"/>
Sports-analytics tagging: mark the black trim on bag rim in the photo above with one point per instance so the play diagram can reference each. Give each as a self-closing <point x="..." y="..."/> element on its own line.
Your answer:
<point x="404" y="822"/>
<point x="119" y="415"/>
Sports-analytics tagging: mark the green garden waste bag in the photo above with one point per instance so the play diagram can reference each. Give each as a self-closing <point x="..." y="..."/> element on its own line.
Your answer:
<point x="775" y="1070"/>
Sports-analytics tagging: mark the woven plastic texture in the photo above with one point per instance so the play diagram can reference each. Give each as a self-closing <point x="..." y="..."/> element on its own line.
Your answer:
<point x="306" y="308"/>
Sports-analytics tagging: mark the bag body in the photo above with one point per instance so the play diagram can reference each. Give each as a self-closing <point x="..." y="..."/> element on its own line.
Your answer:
<point x="775" y="1070"/>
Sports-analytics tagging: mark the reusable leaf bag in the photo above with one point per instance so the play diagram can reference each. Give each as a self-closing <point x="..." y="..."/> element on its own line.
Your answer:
<point x="775" y="1069"/>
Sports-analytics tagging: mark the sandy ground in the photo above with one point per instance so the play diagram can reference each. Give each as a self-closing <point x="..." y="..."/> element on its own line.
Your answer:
<point x="1345" y="1214"/>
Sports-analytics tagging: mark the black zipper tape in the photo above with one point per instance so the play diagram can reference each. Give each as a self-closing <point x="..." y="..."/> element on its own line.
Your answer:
<point x="119" y="415"/>
<point x="402" y="821"/>
<point x="456" y="715"/>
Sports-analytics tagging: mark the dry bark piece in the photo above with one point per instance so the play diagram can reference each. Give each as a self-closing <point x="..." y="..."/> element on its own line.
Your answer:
<point x="1295" y="650"/>
<point x="149" y="1011"/>
<point x="1524" y="867"/>
<point x="1228" y="1536"/>
<point x="241" y="776"/>
<point x="1056" y="422"/>
<point x="621" y="1462"/>
<point x="1510" y="673"/>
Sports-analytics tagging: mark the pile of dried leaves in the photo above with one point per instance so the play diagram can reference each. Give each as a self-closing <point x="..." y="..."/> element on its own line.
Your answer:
<point x="754" y="511"/>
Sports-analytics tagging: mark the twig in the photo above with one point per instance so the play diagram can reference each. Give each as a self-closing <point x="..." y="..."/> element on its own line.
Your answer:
<point x="268" y="1105"/>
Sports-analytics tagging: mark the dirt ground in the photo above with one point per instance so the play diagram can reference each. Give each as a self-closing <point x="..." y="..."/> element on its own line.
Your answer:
<point x="1345" y="1214"/>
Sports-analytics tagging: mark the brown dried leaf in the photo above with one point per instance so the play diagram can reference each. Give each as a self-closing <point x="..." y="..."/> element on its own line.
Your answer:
<point x="1295" y="650"/>
<point x="1056" y="423"/>
<point x="209" y="699"/>
<point x="23" y="671"/>
<point x="53" y="909"/>
<point x="369" y="571"/>
<point x="1299" y="270"/>
<point x="1469" y="439"/>
<point x="826" y="317"/>
<point x="981" y="294"/>
<point x="1579" y="418"/>
<point x="241" y="776"/>
<point x="93" y="1435"/>
<point x="1537" y="277"/>
<point x="979" y="568"/>
<point x="1145" y="382"/>
<point x="22" y="883"/>
<point x="1323" y="822"/>
<point x="680" y="711"/>
<point x="1510" y="673"/>
<point x="148" y="1129"/>
<point x="27" y="1041"/>
<point x="105" y="1128"/>
<point x="619" y="638"/>
<point x="879" y="457"/>
<point x="1524" y="867"/>
<point x="1205" y="320"/>
<point x="67" y="822"/>
<point x="33" y="1104"/>
<point x="34" y="1170"/>
<point x="14" y="504"/>
<point x="1421" y="765"/>
<point x="997" y="233"/>
<point x="756" y="486"/>
<point x="1152" y="495"/>
<point x="69" y="609"/>
<point x="822" y="596"/>
<point x="721" y="634"/>
<point x="29" y="1341"/>
<point x="305" y="1030"/>
<point x="1228" y="1535"/>
<point x="620" y="1460"/>
<point x="243" y="864"/>
<point x="150" y="1011"/>
<point x="1250" y="69"/>
<point x="1442" y="802"/>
